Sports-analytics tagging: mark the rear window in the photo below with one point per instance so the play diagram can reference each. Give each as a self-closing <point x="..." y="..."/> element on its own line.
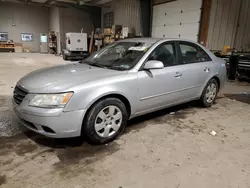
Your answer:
<point x="192" y="53"/>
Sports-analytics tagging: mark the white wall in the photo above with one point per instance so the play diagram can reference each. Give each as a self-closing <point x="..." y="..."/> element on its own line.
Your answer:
<point x="27" y="19"/>
<point x="54" y="25"/>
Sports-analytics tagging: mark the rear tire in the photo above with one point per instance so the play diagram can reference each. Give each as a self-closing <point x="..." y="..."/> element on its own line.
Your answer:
<point x="65" y="58"/>
<point x="105" y="121"/>
<point x="209" y="93"/>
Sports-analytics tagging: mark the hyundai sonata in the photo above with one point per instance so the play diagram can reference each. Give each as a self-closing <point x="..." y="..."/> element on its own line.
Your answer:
<point x="95" y="97"/>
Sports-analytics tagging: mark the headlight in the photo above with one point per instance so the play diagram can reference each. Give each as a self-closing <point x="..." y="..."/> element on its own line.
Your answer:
<point x="66" y="51"/>
<point x="50" y="100"/>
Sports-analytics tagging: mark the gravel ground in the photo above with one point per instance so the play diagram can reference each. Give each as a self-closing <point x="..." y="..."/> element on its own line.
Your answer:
<point x="162" y="149"/>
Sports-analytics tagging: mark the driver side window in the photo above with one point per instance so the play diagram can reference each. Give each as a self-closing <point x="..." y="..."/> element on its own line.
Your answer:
<point x="165" y="53"/>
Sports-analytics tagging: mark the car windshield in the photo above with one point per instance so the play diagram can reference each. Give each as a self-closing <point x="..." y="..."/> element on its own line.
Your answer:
<point x="118" y="56"/>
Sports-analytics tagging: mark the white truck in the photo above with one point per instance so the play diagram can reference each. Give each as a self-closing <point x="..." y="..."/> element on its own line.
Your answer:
<point x="76" y="46"/>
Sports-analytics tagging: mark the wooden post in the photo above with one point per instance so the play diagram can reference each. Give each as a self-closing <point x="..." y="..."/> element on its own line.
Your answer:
<point x="205" y="18"/>
<point x="91" y="42"/>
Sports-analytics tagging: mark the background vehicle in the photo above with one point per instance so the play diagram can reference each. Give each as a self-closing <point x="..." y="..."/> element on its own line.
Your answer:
<point x="124" y="80"/>
<point x="76" y="46"/>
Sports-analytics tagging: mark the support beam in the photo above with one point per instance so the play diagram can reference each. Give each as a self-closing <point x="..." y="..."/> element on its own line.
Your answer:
<point x="204" y="24"/>
<point x="50" y="2"/>
<point x="158" y="2"/>
<point x="99" y="2"/>
<point x="68" y="1"/>
<point x="146" y="17"/>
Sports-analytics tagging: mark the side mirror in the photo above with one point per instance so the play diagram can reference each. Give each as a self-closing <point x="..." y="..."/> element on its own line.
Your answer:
<point x="153" y="64"/>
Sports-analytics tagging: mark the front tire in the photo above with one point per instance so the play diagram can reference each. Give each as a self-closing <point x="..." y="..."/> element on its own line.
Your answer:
<point x="65" y="57"/>
<point x="209" y="93"/>
<point x="105" y="121"/>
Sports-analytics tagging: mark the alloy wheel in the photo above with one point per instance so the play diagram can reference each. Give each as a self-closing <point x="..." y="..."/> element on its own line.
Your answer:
<point x="108" y="121"/>
<point x="211" y="93"/>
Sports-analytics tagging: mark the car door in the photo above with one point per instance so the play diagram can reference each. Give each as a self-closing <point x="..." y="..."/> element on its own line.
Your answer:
<point x="160" y="87"/>
<point x="196" y="66"/>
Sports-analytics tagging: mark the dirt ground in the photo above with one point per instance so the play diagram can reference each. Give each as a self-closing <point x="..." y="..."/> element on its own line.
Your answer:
<point x="162" y="149"/>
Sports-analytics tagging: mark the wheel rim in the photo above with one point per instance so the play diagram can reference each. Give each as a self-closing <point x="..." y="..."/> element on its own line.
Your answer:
<point x="108" y="121"/>
<point x="211" y="93"/>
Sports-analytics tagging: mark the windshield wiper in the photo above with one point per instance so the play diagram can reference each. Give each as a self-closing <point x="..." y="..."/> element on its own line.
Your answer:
<point x="84" y="61"/>
<point x="118" y="67"/>
<point x="97" y="65"/>
<point x="93" y="64"/>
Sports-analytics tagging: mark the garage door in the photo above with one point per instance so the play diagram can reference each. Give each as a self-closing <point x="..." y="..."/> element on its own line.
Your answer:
<point x="177" y="19"/>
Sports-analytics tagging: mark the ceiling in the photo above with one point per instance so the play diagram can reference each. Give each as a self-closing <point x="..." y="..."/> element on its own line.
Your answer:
<point x="97" y="3"/>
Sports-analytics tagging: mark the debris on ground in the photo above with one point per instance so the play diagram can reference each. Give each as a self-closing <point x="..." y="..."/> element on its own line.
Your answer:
<point x="213" y="133"/>
<point x="231" y="99"/>
<point x="171" y="113"/>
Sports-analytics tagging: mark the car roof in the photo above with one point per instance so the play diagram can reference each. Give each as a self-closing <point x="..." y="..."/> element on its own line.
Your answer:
<point x="143" y="40"/>
<point x="153" y="40"/>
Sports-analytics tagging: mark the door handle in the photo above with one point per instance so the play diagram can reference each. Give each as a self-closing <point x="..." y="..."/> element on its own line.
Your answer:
<point x="207" y="69"/>
<point x="178" y="75"/>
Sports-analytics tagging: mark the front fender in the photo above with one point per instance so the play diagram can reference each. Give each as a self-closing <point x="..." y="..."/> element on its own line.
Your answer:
<point x="87" y="94"/>
<point x="95" y="96"/>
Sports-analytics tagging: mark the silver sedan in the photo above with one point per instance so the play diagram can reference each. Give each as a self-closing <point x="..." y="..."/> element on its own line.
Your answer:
<point x="95" y="97"/>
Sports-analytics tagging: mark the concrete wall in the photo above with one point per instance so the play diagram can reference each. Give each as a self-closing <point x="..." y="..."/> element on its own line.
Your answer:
<point x="73" y="20"/>
<point x="25" y="19"/>
<point x="54" y="25"/>
<point x="37" y="19"/>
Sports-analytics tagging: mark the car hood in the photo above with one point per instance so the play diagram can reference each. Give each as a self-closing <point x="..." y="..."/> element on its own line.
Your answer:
<point x="63" y="77"/>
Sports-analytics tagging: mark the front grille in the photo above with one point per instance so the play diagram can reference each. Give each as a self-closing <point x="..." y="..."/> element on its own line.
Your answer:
<point x="19" y="94"/>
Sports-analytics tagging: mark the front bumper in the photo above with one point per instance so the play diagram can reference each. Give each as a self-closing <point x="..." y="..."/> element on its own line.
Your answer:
<point x="53" y="123"/>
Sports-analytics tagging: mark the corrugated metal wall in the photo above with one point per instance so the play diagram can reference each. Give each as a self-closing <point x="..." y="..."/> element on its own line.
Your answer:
<point x="127" y="13"/>
<point x="228" y="24"/>
<point x="242" y="40"/>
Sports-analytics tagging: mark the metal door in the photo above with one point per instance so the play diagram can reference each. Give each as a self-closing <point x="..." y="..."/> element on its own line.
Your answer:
<point x="159" y="88"/>
<point x="43" y="43"/>
<point x="196" y="69"/>
<point x="177" y="19"/>
<point x="194" y="77"/>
